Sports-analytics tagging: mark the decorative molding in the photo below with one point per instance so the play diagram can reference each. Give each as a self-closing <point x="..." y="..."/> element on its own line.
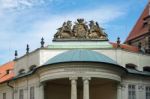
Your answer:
<point x="140" y="87"/>
<point x="80" y="32"/>
<point x="67" y="72"/>
<point x="86" y="78"/>
<point x="73" y="78"/>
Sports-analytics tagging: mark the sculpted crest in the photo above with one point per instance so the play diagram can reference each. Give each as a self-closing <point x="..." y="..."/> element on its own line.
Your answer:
<point x="80" y="31"/>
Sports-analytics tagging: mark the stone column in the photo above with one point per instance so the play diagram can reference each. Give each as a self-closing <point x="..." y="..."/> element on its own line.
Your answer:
<point x="119" y="91"/>
<point x="73" y="87"/>
<point x="41" y="91"/>
<point x="86" y="88"/>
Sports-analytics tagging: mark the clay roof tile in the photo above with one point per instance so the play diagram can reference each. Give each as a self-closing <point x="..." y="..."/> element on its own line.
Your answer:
<point x="139" y="29"/>
<point x="4" y="76"/>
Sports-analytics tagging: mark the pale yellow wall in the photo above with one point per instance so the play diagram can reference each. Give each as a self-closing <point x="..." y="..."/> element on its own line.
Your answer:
<point x="122" y="57"/>
<point x="54" y="91"/>
<point x="27" y="61"/>
<point x="25" y="84"/>
<point x="5" y="89"/>
<point x="45" y="55"/>
<point x="39" y="57"/>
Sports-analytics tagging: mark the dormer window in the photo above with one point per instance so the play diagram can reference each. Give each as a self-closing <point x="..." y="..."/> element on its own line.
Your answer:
<point x="145" y="23"/>
<point x="131" y="66"/>
<point x="32" y="67"/>
<point x="146" y="68"/>
<point x="8" y="71"/>
<point x="22" y="71"/>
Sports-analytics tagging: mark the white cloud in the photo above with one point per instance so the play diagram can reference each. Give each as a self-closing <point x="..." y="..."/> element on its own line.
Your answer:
<point x="103" y="15"/>
<point x="19" y="4"/>
<point x="47" y="27"/>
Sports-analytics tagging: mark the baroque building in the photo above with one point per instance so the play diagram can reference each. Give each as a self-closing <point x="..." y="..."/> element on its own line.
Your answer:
<point x="140" y="34"/>
<point x="81" y="63"/>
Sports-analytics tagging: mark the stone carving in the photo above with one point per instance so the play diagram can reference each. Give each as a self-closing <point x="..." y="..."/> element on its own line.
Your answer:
<point x="64" y="31"/>
<point x="80" y="30"/>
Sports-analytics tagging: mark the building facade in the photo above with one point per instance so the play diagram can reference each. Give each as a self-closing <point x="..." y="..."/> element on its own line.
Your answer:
<point x="81" y="63"/>
<point x="140" y="34"/>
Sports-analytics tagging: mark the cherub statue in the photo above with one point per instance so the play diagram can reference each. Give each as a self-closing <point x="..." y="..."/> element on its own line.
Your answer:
<point x="64" y="31"/>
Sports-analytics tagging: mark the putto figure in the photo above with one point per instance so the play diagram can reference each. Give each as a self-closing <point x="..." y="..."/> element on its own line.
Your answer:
<point x="80" y="31"/>
<point x="64" y="31"/>
<point x="96" y="31"/>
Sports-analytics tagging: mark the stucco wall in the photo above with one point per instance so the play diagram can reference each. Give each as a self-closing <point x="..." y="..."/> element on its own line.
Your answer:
<point x="26" y="61"/>
<point x="25" y="84"/>
<point x="5" y="89"/>
<point x="45" y="55"/>
<point x="54" y="91"/>
<point x="140" y="84"/>
<point x="122" y="57"/>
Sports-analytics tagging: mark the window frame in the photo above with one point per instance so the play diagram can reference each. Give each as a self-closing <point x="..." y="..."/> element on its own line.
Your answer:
<point x="21" y="71"/>
<point x="131" y="66"/>
<point x="147" y="92"/>
<point x="21" y="94"/>
<point x="32" y="92"/>
<point x="4" y="95"/>
<point x="131" y="91"/>
<point x="146" y="68"/>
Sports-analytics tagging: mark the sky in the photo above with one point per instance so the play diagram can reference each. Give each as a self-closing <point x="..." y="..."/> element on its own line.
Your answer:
<point x="25" y="22"/>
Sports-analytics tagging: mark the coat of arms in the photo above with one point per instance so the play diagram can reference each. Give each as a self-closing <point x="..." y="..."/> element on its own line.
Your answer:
<point x="80" y="31"/>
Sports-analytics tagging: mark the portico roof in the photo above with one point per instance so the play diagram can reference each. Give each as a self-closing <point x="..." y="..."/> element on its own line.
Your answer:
<point x="80" y="55"/>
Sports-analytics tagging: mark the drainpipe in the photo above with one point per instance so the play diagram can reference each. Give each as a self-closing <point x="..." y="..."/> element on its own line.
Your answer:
<point x="12" y="87"/>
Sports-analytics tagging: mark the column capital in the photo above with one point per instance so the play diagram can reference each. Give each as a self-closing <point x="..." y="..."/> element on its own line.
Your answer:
<point x="42" y="84"/>
<point x="86" y="87"/>
<point x="73" y="78"/>
<point x="86" y="78"/>
<point x="119" y="86"/>
<point x="73" y="87"/>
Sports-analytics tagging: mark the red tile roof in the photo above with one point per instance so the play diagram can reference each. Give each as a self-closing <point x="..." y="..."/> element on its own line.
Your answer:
<point x="126" y="47"/>
<point x="4" y="76"/>
<point x="138" y="29"/>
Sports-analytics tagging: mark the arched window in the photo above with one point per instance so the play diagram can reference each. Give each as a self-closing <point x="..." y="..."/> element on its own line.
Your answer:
<point x="31" y="68"/>
<point x="131" y="66"/>
<point x="21" y="71"/>
<point x="146" y="68"/>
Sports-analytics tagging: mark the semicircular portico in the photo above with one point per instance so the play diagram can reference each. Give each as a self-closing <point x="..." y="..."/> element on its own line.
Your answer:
<point x="81" y="79"/>
<point x="81" y="69"/>
<point x="79" y="66"/>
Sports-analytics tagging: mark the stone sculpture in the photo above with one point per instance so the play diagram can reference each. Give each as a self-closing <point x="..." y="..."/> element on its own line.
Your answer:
<point x="80" y="31"/>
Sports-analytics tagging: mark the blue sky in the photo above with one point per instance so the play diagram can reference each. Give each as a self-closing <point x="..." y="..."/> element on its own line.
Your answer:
<point x="26" y="21"/>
